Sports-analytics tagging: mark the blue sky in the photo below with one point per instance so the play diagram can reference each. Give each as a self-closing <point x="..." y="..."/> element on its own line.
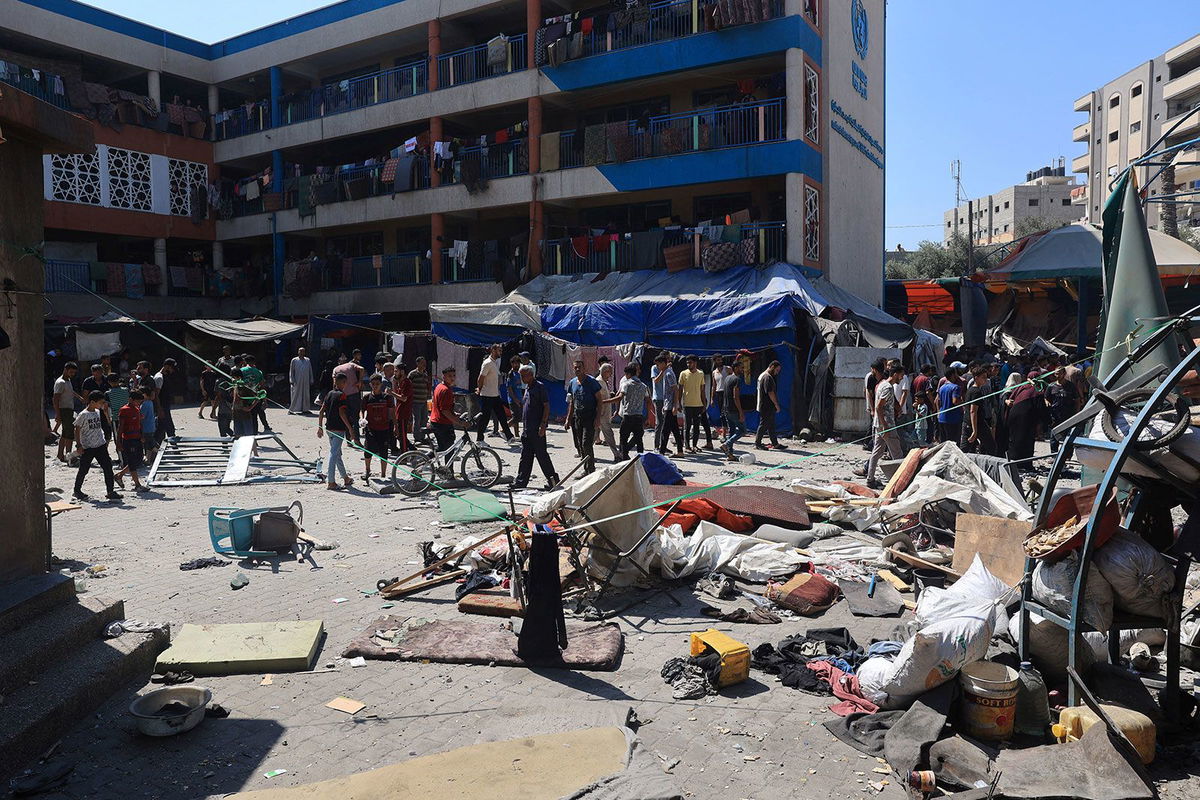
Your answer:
<point x="991" y="84"/>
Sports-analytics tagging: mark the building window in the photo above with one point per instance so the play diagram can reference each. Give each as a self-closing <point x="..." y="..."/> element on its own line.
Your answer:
<point x="183" y="175"/>
<point x="1135" y="127"/>
<point x="812" y="105"/>
<point x="1114" y="101"/>
<point x="1033" y="201"/>
<point x="1112" y="137"/>
<point x="75" y="178"/>
<point x="129" y="182"/>
<point x="1066" y="201"/>
<point x="996" y="210"/>
<point x="1006" y="229"/>
<point x="810" y="11"/>
<point x="1136" y="91"/>
<point x="1006" y="204"/>
<point x="812" y="224"/>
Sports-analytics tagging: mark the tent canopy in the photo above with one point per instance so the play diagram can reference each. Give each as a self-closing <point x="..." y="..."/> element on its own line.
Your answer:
<point x="1075" y="251"/>
<point x="247" y="330"/>
<point x="691" y="310"/>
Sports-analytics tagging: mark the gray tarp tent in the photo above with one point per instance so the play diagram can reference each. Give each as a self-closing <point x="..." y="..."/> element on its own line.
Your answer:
<point x="247" y="330"/>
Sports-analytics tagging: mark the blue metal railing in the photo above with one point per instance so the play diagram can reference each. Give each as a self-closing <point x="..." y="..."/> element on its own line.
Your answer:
<point x="690" y="131"/>
<point x="490" y="161"/>
<point x="662" y="21"/>
<point x="43" y="88"/>
<point x="473" y="64"/>
<point x="244" y="119"/>
<point x="406" y="80"/>
<point x="353" y="183"/>
<point x="452" y="272"/>
<point x="68" y="276"/>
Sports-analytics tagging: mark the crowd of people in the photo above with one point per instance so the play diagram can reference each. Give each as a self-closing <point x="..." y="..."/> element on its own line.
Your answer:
<point x="987" y="403"/>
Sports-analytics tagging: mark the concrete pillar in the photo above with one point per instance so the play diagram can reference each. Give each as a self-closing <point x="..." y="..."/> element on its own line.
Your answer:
<point x="535" y="135"/>
<point x="537" y="227"/>
<point x="160" y="260"/>
<point x="276" y="170"/>
<point x="437" y="229"/>
<point x="434" y="46"/>
<point x="794" y="85"/>
<point x="533" y="21"/>
<point x="794" y="200"/>
<point x="218" y="255"/>
<point x="154" y="87"/>
<point x="214" y="99"/>
<point x="279" y="253"/>
<point x="276" y="77"/>
<point x="435" y="135"/>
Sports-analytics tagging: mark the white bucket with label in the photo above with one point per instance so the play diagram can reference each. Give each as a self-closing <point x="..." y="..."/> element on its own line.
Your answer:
<point x="989" y="700"/>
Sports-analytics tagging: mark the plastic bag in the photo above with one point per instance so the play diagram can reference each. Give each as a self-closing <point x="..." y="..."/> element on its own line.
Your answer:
<point x="873" y="675"/>
<point x="1054" y="586"/>
<point x="976" y="592"/>
<point x="1140" y="577"/>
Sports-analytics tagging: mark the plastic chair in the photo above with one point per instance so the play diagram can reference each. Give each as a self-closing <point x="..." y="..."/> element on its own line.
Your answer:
<point x="232" y="531"/>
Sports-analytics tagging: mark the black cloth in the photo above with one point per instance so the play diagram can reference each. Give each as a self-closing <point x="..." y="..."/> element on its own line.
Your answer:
<point x="544" y="632"/>
<point x="668" y="425"/>
<point x="493" y="408"/>
<point x="444" y="434"/>
<point x="583" y="427"/>
<point x="902" y="737"/>
<point x="201" y="563"/>
<point x="475" y="581"/>
<point x="100" y="455"/>
<point x="766" y="428"/>
<point x="694" y="418"/>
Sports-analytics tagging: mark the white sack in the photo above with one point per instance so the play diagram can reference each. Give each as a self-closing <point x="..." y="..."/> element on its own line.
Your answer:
<point x="1140" y="576"/>
<point x="1047" y="647"/>
<point x="977" y="592"/>
<point x="935" y="654"/>
<point x="811" y="490"/>
<point x="873" y="675"/>
<point x="1054" y="586"/>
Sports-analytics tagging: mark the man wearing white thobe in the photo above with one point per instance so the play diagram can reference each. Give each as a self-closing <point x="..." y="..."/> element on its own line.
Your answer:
<point x="300" y="375"/>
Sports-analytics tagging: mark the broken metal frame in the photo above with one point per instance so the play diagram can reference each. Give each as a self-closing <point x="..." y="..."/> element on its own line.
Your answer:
<point x="180" y="458"/>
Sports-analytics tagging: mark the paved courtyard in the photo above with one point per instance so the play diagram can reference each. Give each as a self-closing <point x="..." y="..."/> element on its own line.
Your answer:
<point x="755" y="740"/>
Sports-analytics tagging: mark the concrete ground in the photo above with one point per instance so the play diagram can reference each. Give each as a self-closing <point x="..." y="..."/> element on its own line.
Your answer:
<point x="755" y="740"/>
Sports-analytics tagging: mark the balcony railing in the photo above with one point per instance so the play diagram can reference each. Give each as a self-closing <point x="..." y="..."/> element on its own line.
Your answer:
<point x="668" y="19"/>
<point x="474" y="64"/>
<point x="368" y="90"/>
<point x="690" y="131"/>
<point x="46" y="87"/>
<point x="354" y="183"/>
<point x="562" y="256"/>
<point x="488" y="162"/>
<point x="243" y="120"/>
<point x="68" y="276"/>
<point x="453" y="272"/>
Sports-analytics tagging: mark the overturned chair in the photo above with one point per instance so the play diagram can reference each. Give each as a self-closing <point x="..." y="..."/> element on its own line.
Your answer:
<point x="258" y="532"/>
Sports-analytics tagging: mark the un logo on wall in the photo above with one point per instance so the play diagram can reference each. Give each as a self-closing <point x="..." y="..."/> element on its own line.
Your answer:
<point x="858" y="27"/>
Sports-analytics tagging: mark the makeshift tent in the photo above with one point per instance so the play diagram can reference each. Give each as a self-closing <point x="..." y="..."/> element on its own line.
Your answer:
<point x="1075" y="251"/>
<point x="247" y="330"/>
<point x="477" y="324"/>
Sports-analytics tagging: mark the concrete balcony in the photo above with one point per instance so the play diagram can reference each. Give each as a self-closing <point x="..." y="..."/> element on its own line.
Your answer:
<point x="1082" y="132"/>
<point x="1192" y="126"/>
<point x="1182" y="85"/>
<point x="1189" y="48"/>
<point x="1084" y="103"/>
<point x="1082" y="163"/>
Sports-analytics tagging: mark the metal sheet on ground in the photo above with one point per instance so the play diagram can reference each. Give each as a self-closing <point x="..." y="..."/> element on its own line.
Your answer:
<point x="239" y="460"/>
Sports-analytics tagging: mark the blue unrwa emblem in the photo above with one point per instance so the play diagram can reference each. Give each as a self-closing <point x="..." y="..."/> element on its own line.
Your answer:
<point x="858" y="26"/>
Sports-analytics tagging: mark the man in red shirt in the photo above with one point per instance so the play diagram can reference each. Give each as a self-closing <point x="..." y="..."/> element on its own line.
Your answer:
<point x="402" y="390"/>
<point x="129" y="430"/>
<point x="442" y="418"/>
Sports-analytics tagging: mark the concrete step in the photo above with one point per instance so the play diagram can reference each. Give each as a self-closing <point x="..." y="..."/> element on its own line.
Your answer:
<point x="36" y="715"/>
<point x="53" y="636"/>
<point x="24" y="599"/>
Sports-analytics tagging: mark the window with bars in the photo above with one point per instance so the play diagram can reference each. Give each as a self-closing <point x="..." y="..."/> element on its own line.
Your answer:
<point x="812" y="224"/>
<point x="129" y="180"/>
<point x="812" y="105"/>
<point x="75" y="178"/>
<point x="183" y="175"/>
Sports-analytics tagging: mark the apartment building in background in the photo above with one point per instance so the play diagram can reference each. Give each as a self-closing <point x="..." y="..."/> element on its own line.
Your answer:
<point x="1129" y="114"/>
<point x="1045" y="195"/>
<point x="381" y="155"/>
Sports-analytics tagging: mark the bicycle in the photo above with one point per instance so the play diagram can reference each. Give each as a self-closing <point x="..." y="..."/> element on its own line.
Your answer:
<point x="478" y="464"/>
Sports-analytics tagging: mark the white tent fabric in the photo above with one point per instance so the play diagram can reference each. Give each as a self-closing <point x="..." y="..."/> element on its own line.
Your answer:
<point x="514" y="314"/>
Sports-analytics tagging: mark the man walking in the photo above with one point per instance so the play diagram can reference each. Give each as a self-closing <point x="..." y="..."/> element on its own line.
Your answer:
<point x="335" y="417"/>
<point x="604" y="414"/>
<point x="92" y="444"/>
<point x="419" y="377"/>
<point x="768" y="406"/>
<point x="442" y="419"/>
<point x="226" y="362"/>
<point x="351" y="389"/>
<point x="535" y="415"/>
<point x="733" y="416"/>
<point x="488" y="389"/>
<point x="583" y="403"/>
<point x="870" y="382"/>
<point x="665" y="389"/>
<point x="634" y="397"/>
<point x="166" y="425"/>
<point x="300" y="377"/>
<point x="887" y="440"/>
<point x="981" y="422"/>
<point x="253" y="376"/>
<point x="695" y="405"/>
<point x="64" y="407"/>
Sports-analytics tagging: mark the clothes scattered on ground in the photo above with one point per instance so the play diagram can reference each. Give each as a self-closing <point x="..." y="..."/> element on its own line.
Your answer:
<point x="201" y="563"/>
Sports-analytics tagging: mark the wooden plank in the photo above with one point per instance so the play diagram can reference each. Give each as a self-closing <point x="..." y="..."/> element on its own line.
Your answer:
<point x="452" y="557"/>
<point x="917" y="561"/>
<point x="996" y="540"/>
<point x="903" y="475"/>
<point x="894" y="580"/>
<point x="491" y="603"/>
<point x="402" y="590"/>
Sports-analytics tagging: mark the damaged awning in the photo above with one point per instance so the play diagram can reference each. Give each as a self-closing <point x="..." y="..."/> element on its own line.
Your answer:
<point x="247" y="330"/>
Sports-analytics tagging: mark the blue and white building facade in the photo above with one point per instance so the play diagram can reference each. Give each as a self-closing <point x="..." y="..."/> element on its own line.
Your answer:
<point x="368" y="140"/>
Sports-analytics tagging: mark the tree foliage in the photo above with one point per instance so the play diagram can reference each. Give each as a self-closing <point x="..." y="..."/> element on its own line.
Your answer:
<point x="934" y="260"/>
<point x="1030" y="225"/>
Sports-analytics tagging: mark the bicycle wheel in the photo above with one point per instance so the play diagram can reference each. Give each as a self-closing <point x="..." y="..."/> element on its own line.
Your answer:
<point x="481" y="466"/>
<point x="412" y="473"/>
<point x="1168" y="421"/>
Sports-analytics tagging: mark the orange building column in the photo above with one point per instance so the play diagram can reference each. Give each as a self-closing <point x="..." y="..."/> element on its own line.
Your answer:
<point x="435" y="135"/>
<point x="533" y="21"/>
<point x="434" y="33"/>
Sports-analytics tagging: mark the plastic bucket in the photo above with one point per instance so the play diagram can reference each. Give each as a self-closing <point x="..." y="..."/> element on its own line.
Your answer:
<point x="924" y="578"/>
<point x="989" y="700"/>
